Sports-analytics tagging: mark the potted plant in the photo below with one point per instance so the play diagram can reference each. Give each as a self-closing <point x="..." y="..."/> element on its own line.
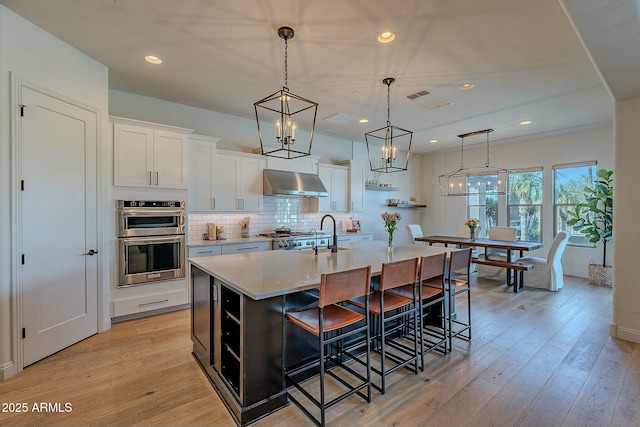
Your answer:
<point x="594" y="219"/>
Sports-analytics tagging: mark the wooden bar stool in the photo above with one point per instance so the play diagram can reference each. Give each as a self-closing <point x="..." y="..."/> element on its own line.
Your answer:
<point x="394" y="314"/>
<point x="432" y="321"/>
<point x="332" y="323"/>
<point x="458" y="260"/>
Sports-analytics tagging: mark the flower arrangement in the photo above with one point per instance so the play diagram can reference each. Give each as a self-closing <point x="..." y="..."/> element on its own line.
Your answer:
<point x="472" y="223"/>
<point x="391" y="224"/>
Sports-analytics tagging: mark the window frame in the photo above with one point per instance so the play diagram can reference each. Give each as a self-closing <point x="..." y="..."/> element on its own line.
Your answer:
<point x="539" y="204"/>
<point x="484" y="229"/>
<point x="592" y="164"/>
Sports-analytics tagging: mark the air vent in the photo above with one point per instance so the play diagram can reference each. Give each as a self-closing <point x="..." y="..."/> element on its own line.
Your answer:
<point x="437" y="105"/>
<point x="418" y="94"/>
<point x="338" y="118"/>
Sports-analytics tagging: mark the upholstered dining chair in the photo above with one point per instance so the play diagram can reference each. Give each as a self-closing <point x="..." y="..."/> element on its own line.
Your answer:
<point x="506" y="234"/>
<point x="414" y="231"/>
<point x="547" y="273"/>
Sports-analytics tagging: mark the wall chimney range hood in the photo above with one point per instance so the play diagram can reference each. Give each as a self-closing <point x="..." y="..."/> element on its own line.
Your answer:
<point x="285" y="183"/>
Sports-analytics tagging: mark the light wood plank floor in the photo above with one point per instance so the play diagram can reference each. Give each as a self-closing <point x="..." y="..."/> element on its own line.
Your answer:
<point x="536" y="359"/>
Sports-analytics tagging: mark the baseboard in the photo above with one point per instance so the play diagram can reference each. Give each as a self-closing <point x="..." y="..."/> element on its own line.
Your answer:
<point x="7" y="370"/>
<point x="626" y="334"/>
<point x="149" y="313"/>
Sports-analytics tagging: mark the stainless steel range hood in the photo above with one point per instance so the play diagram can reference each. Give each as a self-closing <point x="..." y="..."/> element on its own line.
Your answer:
<point x="284" y="183"/>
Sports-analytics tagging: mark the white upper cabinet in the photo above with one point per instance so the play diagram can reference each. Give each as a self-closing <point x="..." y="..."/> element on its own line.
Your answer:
<point x="335" y="180"/>
<point x="239" y="182"/>
<point x="149" y="155"/>
<point x="202" y="179"/>
<point x="357" y="180"/>
<point x="307" y="164"/>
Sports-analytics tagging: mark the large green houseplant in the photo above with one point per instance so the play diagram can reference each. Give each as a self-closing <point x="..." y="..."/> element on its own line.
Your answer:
<point x="594" y="219"/>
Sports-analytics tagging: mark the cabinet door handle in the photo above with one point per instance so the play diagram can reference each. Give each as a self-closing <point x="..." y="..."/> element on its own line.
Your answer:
<point x="213" y="203"/>
<point x="150" y="183"/>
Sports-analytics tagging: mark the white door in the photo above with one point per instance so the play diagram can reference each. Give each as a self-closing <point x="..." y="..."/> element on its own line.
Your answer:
<point x="58" y="224"/>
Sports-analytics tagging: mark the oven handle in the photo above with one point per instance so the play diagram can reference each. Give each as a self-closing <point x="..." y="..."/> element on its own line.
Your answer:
<point x="152" y="240"/>
<point x="158" y="212"/>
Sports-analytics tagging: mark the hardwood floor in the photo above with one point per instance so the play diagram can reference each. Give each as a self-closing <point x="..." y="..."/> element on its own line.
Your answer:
<point x="536" y="359"/>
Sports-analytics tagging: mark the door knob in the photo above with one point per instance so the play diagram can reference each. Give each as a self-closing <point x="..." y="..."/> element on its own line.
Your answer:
<point x="91" y="252"/>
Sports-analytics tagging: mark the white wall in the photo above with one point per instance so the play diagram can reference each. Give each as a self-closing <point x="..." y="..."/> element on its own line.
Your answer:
<point x="444" y="214"/>
<point x="28" y="52"/>
<point x="626" y="232"/>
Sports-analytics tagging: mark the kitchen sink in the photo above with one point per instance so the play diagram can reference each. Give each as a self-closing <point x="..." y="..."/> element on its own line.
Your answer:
<point x="325" y="250"/>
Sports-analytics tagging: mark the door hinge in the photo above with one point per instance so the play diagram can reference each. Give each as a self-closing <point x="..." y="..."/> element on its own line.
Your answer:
<point x="22" y="185"/>
<point x="23" y="259"/>
<point x="22" y="110"/>
<point x="24" y="333"/>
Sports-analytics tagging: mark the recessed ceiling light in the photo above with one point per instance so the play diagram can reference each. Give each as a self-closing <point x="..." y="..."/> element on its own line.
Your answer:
<point x="526" y="122"/>
<point x="386" y="37"/>
<point x="433" y="141"/>
<point x="466" y="86"/>
<point x="364" y="120"/>
<point x="355" y="92"/>
<point x="153" y="59"/>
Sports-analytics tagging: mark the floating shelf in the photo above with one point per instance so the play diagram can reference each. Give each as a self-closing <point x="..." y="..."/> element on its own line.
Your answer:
<point x="381" y="188"/>
<point x="405" y="205"/>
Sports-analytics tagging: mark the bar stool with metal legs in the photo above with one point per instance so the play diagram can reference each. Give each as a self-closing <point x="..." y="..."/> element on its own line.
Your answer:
<point x="332" y="321"/>
<point x="458" y="260"/>
<point x="395" y="315"/>
<point x="432" y="320"/>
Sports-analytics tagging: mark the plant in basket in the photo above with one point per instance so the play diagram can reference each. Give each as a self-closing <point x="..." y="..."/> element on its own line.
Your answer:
<point x="594" y="219"/>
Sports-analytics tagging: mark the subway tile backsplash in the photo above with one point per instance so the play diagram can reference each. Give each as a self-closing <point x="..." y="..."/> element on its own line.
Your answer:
<point x="277" y="212"/>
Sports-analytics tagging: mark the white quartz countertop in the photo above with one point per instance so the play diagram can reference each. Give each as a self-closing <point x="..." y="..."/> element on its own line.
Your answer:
<point x="266" y="274"/>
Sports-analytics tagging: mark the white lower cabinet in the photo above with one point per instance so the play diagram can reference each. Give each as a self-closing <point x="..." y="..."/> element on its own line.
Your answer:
<point x="355" y="237"/>
<point x="149" y="297"/>
<point x="239" y="248"/>
<point x="200" y="251"/>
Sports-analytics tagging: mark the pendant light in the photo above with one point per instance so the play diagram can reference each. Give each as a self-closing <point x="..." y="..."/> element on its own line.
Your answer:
<point x="479" y="180"/>
<point x="278" y="129"/>
<point x="392" y="140"/>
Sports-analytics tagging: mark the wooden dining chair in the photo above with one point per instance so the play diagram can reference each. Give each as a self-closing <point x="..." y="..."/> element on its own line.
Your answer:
<point x="331" y="322"/>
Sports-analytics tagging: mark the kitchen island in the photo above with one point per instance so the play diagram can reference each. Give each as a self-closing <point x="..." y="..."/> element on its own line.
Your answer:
<point x="239" y="333"/>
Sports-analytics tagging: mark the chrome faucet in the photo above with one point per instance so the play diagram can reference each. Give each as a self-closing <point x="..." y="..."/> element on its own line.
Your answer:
<point x="334" y="247"/>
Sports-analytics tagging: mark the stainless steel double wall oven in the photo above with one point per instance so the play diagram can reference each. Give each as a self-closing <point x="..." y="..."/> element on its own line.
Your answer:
<point x="151" y="241"/>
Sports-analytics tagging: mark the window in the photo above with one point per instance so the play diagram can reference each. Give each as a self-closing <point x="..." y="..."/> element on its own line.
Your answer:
<point x="568" y="184"/>
<point x="524" y="204"/>
<point x="483" y="206"/>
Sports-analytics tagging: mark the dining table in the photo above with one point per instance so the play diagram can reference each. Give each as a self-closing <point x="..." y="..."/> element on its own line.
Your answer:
<point x="515" y="271"/>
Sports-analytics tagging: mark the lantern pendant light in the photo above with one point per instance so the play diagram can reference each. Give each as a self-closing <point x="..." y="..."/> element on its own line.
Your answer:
<point x="392" y="139"/>
<point x="278" y="129"/>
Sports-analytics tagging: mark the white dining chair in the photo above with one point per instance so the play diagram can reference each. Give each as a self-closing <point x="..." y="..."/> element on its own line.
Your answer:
<point x="414" y="231"/>
<point x="506" y="234"/>
<point x="547" y="273"/>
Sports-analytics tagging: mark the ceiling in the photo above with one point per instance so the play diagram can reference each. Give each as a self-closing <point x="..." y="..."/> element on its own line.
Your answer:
<point x="524" y="58"/>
